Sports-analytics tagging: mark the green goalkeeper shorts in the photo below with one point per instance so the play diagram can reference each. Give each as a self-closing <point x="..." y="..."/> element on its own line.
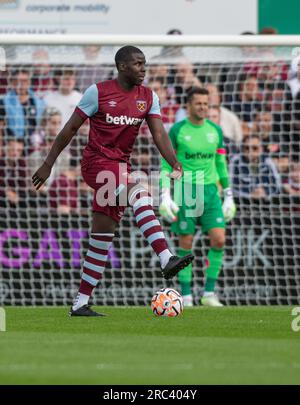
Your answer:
<point x="211" y="213"/>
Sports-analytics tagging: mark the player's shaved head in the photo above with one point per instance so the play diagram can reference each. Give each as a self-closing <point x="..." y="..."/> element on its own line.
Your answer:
<point x="125" y="53"/>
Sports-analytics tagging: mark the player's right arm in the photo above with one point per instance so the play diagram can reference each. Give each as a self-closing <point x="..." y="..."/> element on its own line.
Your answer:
<point x="61" y="141"/>
<point x="87" y="107"/>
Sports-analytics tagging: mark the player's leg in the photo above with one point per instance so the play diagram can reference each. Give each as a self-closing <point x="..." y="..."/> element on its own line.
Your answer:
<point x="185" y="276"/>
<point x="146" y="220"/>
<point x="103" y="230"/>
<point x="185" y="228"/>
<point x="106" y="215"/>
<point x="213" y="223"/>
<point x="214" y="264"/>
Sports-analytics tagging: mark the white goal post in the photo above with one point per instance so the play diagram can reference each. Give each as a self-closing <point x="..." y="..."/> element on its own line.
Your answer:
<point x="254" y="85"/>
<point x="150" y="40"/>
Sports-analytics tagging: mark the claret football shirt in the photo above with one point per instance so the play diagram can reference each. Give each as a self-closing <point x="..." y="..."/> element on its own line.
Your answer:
<point x="115" y="117"/>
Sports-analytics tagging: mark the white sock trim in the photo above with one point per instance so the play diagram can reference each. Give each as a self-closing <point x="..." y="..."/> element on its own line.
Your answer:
<point x="133" y="193"/>
<point x="164" y="257"/>
<point x="80" y="300"/>
<point x="102" y="234"/>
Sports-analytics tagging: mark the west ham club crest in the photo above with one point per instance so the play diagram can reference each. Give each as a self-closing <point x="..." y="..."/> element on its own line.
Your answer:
<point x="141" y="105"/>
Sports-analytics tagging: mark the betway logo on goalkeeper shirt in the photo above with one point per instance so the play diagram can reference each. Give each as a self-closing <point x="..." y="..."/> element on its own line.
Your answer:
<point x="122" y="120"/>
<point x="198" y="155"/>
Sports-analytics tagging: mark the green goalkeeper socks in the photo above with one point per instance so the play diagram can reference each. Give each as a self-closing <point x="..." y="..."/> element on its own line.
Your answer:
<point x="185" y="276"/>
<point x="215" y="259"/>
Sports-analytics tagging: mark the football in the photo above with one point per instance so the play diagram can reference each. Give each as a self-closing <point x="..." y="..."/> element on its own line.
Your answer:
<point x="167" y="302"/>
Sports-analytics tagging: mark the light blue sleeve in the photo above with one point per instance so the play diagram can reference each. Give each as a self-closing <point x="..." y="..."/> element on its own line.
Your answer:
<point x="155" y="108"/>
<point x="89" y="102"/>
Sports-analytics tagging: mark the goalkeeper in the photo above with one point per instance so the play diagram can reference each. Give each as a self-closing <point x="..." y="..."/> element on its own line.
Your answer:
<point x="199" y="147"/>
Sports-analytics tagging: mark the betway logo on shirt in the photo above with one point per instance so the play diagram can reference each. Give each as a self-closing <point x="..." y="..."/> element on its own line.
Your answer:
<point x="122" y="120"/>
<point x="198" y="155"/>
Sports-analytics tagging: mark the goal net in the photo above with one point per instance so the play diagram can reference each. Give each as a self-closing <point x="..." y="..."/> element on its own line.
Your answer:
<point x="254" y="95"/>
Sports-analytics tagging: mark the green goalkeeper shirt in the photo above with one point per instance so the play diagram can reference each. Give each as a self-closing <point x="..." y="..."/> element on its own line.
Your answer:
<point x="200" y="149"/>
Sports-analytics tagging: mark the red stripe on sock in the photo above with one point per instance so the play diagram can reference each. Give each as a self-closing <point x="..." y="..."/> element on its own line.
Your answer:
<point x="142" y="209"/>
<point x="152" y="230"/>
<point x="99" y="251"/>
<point x="159" y="246"/>
<point x="96" y="262"/>
<point x="85" y="288"/>
<point x="92" y="273"/>
<point x="146" y="220"/>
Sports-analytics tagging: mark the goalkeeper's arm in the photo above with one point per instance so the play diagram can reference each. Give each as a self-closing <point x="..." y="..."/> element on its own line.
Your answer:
<point x="229" y="208"/>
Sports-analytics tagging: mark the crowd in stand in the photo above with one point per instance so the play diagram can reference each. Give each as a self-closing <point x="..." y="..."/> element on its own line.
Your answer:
<point x="256" y="103"/>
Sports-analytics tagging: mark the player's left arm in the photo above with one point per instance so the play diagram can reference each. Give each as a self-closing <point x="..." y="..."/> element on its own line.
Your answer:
<point x="161" y="138"/>
<point x="229" y="208"/>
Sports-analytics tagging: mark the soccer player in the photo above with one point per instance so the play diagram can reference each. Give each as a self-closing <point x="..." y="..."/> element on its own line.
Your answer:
<point x="116" y="109"/>
<point x="199" y="147"/>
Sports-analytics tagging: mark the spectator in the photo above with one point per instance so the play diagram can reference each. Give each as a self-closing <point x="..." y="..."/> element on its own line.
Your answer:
<point x="43" y="140"/>
<point x="247" y="101"/>
<point x="248" y="51"/>
<point x="185" y="79"/>
<point x="263" y="126"/>
<point x="80" y="140"/>
<point x="159" y="70"/>
<point x="281" y="108"/>
<point x="268" y="31"/>
<point x="282" y="162"/>
<point x="42" y="78"/>
<point x="63" y="192"/>
<point x="13" y="175"/>
<point x="229" y="121"/>
<point x="3" y="81"/>
<point x="292" y="187"/>
<point x="254" y="175"/>
<point x="93" y="70"/>
<point x="20" y="108"/>
<point x="245" y="129"/>
<point x="66" y="97"/>
<point x="294" y="81"/>
<point x="294" y="86"/>
<point x="165" y="73"/>
<point x="214" y="115"/>
<point x="172" y="51"/>
<point x="168" y="107"/>
<point x="48" y="129"/>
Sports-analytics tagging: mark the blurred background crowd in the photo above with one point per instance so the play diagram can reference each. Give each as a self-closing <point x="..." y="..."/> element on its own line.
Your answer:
<point x="256" y="101"/>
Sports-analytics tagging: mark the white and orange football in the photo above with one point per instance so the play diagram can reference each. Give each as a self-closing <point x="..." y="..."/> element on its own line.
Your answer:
<point x="167" y="302"/>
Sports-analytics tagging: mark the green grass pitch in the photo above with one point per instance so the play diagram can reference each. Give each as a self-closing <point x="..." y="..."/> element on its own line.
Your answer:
<point x="232" y="345"/>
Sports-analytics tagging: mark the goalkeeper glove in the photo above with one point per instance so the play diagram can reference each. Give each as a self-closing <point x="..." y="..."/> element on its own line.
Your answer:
<point x="168" y="208"/>
<point x="229" y="208"/>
